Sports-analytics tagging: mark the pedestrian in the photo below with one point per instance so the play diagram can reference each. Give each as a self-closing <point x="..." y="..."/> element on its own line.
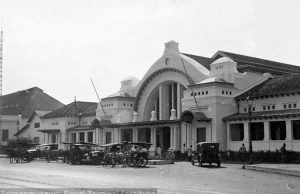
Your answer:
<point x="189" y="153"/>
<point x="158" y="151"/>
<point x="283" y="152"/>
<point x="242" y="152"/>
<point x="183" y="152"/>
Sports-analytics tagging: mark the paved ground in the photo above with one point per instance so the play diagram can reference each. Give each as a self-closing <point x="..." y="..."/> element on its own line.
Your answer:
<point x="181" y="177"/>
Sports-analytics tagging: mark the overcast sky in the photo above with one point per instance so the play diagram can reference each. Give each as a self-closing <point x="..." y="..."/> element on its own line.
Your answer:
<point x="59" y="45"/>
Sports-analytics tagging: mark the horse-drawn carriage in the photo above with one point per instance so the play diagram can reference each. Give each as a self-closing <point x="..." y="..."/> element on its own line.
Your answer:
<point x="22" y="152"/>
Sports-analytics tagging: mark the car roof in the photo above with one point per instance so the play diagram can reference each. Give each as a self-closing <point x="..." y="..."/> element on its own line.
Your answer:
<point x="140" y="143"/>
<point x="111" y="144"/>
<point x="202" y="143"/>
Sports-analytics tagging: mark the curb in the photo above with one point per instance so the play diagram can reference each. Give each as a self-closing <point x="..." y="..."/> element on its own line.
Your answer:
<point x="160" y="162"/>
<point x="273" y="170"/>
<point x="3" y="156"/>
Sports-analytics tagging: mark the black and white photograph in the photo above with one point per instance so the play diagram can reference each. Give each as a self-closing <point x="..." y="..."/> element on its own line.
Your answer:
<point x="149" y="96"/>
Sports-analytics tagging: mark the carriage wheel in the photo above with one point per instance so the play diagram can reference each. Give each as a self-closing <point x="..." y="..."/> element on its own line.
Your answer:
<point x="145" y="162"/>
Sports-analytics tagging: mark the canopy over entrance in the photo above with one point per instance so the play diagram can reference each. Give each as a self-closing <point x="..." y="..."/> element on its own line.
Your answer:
<point x="188" y="116"/>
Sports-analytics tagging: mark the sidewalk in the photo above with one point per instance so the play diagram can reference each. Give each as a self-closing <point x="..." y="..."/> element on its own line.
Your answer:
<point x="287" y="169"/>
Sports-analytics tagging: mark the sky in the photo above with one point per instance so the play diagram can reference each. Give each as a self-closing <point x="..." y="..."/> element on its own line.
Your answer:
<point x="59" y="45"/>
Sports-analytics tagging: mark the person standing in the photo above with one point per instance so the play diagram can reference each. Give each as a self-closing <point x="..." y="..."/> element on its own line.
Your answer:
<point x="158" y="151"/>
<point x="183" y="152"/>
<point x="189" y="153"/>
<point x="242" y="152"/>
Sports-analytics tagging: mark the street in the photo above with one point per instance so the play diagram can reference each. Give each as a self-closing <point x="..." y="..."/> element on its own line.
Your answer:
<point x="181" y="177"/>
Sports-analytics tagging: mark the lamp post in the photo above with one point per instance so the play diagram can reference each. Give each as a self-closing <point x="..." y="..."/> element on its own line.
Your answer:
<point x="250" y="102"/>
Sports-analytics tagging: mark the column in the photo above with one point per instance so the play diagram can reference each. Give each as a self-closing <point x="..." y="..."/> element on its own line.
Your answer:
<point x="266" y="131"/>
<point x="97" y="136"/>
<point x="160" y="95"/>
<point x="85" y="136"/>
<point x="77" y="137"/>
<point x="63" y="137"/>
<point x="134" y="130"/>
<point x="175" y="143"/>
<point x="94" y="136"/>
<point x="172" y="95"/>
<point x="171" y="136"/>
<point x="153" y="136"/>
<point x="115" y="135"/>
<point x="228" y="136"/>
<point x="178" y="100"/>
<point x="289" y="134"/>
<point x="246" y="134"/>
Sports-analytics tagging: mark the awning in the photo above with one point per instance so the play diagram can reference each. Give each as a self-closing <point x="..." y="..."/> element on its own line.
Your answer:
<point x="264" y="115"/>
<point x="49" y="130"/>
<point x="142" y="123"/>
<point x="188" y="116"/>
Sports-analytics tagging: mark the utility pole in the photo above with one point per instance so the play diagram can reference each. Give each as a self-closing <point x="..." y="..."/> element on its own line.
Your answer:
<point x="1" y="61"/>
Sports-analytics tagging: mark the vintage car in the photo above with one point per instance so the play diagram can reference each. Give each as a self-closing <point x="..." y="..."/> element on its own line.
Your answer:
<point x="207" y="152"/>
<point x="138" y="153"/>
<point x="114" y="154"/>
<point x="79" y="152"/>
<point x="50" y="151"/>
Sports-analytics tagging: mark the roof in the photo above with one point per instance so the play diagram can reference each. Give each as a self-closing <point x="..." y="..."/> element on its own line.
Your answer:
<point x="248" y="64"/>
<point x="202" y="60"/>
<point x="81" y="128"/>
<point x="253" y="64"/>
<point x="275" y="86"/>
<point x="264" y="115"/>
<point x="119" y="95"/>
<point x="187" y="116"/>
<point x="74" y="109"/>
<point x="38" y="113"/>
<point x="25" y="102"/>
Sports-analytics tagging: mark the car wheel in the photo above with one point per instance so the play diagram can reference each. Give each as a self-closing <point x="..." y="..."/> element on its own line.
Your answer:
<point x="193" y="162"/>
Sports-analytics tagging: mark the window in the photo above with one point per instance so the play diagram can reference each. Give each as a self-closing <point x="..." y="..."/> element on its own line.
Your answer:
<point x="284" y="106"/>
<point x="290" y="106"/>
<point x="36" y="125"/>
<point x="253" y="108"/>
<point x="245" y="109"/>
<point x="199" y="93"/>
<point x="53" y="138"/>
<point x="257" y="131"/>
<point x="108" y="137"/>
<point x="237" y="131"/>
<point x="295" y="105"/>
<point x="124" y="104"/>
<point x="36" y="140"/>
<point x="222" y="91"/>
<point x="264" y="107"/>
<point x="206" y="92"/>
<point x="81" y="136"/>
<point x="296" y="129"/>
<point x="90" y="137"/>
<point x="273" y="107"/>
<point x="230" y="92"/>
<point x="191" y="94"/>
<point x="278" y="130"/>
<point x="5" y="135"/>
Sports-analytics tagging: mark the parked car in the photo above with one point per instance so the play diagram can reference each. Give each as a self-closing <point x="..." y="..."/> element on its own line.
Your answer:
<point x="138" y="153"/>
<point x="207" y="152"/>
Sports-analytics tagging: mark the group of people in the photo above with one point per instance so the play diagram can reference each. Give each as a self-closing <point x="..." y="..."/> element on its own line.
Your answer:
<point x="186" y="153"/>
<point x="243" y="151"/>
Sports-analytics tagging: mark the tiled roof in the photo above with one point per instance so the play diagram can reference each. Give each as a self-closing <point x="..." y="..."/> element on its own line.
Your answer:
<point x="25" y="102"/>
<point x="275" y="86"/>
<point x="265" y="115"/>
<point x="119" y="95"/>
<point x="249" y="64"/>
<point x="74" y="109"/>
<point x="245" y="63"/>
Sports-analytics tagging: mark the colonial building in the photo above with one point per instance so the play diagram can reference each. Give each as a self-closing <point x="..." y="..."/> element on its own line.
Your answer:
<point x="18" y="107"/>
<point x="70" y="123"/>
<point x="186" y="99"/>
